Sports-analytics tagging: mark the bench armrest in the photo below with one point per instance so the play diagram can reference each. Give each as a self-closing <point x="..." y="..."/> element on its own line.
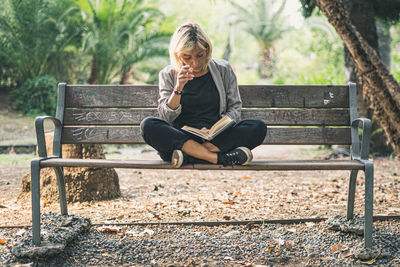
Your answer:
<point x="362" y="153"/>
<point x="40" y="136"/>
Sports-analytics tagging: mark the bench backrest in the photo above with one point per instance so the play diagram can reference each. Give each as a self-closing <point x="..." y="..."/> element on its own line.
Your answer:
<point x="295" y="114"/>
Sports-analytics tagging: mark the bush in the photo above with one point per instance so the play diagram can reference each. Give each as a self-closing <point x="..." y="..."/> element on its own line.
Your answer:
<point x="36" y="96"/>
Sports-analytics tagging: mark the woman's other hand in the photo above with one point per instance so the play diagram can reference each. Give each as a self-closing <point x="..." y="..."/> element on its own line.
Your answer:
<point x="204" y="129"/>
<point x="184" y="75"/>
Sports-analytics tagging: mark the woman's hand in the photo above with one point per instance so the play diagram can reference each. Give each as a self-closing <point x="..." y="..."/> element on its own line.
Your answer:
<point x="204" y="129"/>
<point x="184" y="75"/>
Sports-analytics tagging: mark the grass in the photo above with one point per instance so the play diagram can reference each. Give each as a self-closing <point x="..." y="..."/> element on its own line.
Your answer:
<point x="15" y="160"/>
<point x="313" y="153"/>
<point x="18" y="129"/>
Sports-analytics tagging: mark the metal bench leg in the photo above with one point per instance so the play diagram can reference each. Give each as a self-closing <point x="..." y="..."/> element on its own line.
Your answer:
<point x="369" y="198"/>
<point x="351" y="194"/>
<point x="35" y="193"/>
<point x="61" y="190"/>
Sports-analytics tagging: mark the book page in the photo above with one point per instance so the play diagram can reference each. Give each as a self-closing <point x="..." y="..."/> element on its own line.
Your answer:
<point x="196" y="131"/>
<point x="220" y="124"/>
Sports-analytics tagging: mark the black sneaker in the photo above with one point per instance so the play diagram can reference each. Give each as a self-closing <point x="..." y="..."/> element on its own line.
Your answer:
<point x="177" y="158"/>
<point x="238" y="156"/>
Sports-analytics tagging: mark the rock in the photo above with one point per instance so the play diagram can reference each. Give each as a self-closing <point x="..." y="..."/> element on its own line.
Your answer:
<point x="340" y="223"/>
<point x="46" y="250"/>
<point x="366" y="254"/>
<point x="57" y="232"/>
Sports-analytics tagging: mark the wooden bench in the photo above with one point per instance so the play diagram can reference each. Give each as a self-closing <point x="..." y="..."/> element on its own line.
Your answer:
<point x="295" y="115"/>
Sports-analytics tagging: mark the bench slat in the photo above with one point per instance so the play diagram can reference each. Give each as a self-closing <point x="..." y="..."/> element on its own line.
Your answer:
<point x="254" y="165"/>
<point x="131" y="135"/>
<point x="270" y="117"/>
<point x="279" y="96"/>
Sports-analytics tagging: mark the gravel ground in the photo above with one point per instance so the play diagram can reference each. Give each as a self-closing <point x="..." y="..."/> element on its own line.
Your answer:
<point x="305" y="244"/>
<point x="195" y="196"/>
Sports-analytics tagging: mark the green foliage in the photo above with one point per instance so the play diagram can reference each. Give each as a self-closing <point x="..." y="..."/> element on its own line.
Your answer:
<point x="34" y="37"/>
<point x="262" y="21"/>
<point x="311" y="55"/>
<point x="308" y="7"/>
<point x="36" y="96"/>
<point x="119" y="34"/>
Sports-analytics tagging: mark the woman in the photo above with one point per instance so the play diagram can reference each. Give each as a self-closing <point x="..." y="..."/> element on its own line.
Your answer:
<point x="196" y="90"/>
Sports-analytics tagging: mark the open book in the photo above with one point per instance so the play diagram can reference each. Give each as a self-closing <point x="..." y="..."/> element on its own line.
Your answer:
<point x="218" y="127"/>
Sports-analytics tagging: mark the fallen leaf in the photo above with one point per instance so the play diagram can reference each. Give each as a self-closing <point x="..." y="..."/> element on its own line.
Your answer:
<point x="270" y="249"/>
<point x="289" y="244"/>
<point x="21" y="232"/>
<point x="334" y="249"/>
<point x="46" y="203"/>
<point x="147" y="232"/>
<point x="340" y="247"/>
<point x="3" y="207"/>
<point x="280" y="242"/>
<point x="232" y="233"/>
<point x="3" y="241"/>
<point x="132" y="233"/>
<point x="346" y="253"/>
<point x="327" y="258"/>
<point x="108" y="229"/>
<point x="227" y="202"/>
<point x="369" y="262"/>
<point x="247" y="177"/>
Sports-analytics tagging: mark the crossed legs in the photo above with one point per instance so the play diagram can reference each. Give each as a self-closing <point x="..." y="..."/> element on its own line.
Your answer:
<point x="165" y="139"/>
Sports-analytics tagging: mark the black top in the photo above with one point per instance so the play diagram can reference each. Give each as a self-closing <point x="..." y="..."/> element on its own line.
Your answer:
<point x="200" y="103"/>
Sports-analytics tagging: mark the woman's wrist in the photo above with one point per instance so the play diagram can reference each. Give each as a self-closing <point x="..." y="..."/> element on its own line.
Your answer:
<point x="178" y="88"/>
<point x="178" y="92"/>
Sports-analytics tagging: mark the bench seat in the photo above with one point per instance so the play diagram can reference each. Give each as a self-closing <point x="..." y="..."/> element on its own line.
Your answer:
<point x="254" y="165"/>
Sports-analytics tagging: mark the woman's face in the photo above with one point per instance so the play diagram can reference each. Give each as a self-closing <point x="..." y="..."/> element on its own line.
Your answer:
<point x="195" y="58"/>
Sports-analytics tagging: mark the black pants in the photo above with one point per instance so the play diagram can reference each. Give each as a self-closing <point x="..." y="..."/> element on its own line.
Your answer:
<point x="165" y="138"/>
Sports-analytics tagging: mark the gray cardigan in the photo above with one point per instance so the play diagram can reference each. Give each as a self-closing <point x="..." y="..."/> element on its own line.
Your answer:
<point x="225" y="79"/>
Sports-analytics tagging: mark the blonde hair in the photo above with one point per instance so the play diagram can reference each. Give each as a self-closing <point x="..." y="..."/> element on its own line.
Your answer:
<point x="187" y="37"/>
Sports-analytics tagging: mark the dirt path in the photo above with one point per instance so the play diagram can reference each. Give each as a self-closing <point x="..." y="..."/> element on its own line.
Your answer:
<point x="151" y="195"/>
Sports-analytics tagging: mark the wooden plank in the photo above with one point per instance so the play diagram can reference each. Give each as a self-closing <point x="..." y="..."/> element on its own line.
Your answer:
<point x="99" y="116"/>
<point x="270" y="117"/>
<point x="295" y="96"/>
<point x="277" y="96"/>
<point x="111" y="96"/>
<point x="131" y="135"/>
<point x="254" y="165"/>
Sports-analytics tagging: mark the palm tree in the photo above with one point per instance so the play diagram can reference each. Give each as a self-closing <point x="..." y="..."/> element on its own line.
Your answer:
<point x="266" y="25"/>
<point x="34" y="36"/>
<point x="119" y="34"/>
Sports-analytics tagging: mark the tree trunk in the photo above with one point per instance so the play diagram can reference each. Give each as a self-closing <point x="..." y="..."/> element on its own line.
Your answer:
<point x="126" y="77"/>
<point x="380" y="88"/>
<point x="82" y="184"/>
<point x="362" y="16"/>
<point x="384" y="43"/>
<point x="94" y="75"/>
<point x="228" y="48"/>
<point x="266" y="63"/>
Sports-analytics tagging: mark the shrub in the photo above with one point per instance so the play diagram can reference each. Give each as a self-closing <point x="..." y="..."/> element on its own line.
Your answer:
<point x="37" y="96"/>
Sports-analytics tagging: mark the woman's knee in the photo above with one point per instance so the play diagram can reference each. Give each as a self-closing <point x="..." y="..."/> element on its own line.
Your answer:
<point x="259" y="130"/>
<point x="147" y="124"/>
